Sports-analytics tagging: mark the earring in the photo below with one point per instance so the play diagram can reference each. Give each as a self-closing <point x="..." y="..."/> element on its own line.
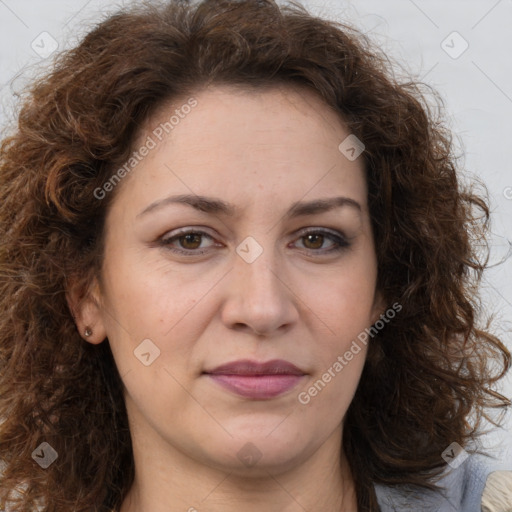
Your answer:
<point x="88" y="332"/>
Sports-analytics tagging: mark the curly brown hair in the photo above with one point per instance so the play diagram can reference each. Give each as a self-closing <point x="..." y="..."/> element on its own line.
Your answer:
<point x="428" y="378"/>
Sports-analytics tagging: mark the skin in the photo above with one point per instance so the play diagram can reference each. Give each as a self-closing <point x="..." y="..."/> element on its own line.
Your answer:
<point x="260" y="151"/>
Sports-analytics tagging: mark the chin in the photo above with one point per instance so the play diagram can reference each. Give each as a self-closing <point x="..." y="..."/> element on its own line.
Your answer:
<point x="252" y="462"/>
<point x="274" y="448"/>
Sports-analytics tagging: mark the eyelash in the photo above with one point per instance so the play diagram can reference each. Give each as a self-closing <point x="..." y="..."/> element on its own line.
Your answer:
<point x="340" y="242"/>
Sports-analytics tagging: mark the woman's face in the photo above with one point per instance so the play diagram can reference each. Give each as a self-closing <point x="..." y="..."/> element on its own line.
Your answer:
<point x="246" y="286"/>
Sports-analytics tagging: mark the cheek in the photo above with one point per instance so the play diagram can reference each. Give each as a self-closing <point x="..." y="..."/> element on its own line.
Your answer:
<point x="345" y="300"/>
<point x="342" y="308"/>
<point x="340" y="350"/>
<point x="149" y="294"/>
<point x="141" y="306"/>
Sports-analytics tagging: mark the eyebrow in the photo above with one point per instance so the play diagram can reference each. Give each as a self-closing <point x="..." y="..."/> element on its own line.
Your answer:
<point x="218" y="206"/>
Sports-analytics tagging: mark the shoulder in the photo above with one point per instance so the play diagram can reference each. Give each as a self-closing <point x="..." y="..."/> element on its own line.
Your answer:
<point x="497" y="496"/>
<point x="478" y="484"/>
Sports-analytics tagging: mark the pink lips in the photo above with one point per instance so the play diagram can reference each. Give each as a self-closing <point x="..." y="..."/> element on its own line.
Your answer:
<point x="258" y="381"/>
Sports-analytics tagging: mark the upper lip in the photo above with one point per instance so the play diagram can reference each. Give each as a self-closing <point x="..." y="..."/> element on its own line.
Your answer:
<point x="248" y="367"/>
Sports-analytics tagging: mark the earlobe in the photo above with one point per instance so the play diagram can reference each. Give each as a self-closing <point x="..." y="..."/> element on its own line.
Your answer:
<point x="86" y="311"/>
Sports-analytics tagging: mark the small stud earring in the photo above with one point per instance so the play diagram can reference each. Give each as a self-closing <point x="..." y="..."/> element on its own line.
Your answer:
<point x="88" y="332"/>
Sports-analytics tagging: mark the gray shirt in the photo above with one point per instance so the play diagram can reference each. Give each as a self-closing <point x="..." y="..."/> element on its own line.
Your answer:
<point x="463" y="488"/>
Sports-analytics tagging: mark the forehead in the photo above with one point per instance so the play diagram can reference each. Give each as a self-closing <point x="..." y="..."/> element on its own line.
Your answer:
<point x="245" y="143"/>
<point x="270" y="116"/>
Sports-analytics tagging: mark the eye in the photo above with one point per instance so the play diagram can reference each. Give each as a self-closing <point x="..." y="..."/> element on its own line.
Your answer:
<point x="188" y="240"/>
<point x="314" y="239"/>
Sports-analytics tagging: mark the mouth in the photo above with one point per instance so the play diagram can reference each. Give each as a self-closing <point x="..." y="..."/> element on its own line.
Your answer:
<point x="255" y="380"/>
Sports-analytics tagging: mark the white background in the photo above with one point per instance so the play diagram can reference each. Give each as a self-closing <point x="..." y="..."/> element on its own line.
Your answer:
<point x="476" y="86"/>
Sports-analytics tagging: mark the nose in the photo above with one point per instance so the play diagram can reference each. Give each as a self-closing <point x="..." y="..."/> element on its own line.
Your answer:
<point x="259" y="298"/>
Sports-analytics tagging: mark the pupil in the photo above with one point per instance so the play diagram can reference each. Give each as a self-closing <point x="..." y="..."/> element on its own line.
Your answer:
<point x="317" y="237"/>
<point x="190" y="238"/>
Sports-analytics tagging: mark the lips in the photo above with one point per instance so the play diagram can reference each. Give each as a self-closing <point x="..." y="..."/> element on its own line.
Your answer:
<point x="255" y="380"/>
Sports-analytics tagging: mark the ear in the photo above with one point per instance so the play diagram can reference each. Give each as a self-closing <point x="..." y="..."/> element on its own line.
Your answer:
<point x="85" y="305"/>
<point x="379" y="307"/>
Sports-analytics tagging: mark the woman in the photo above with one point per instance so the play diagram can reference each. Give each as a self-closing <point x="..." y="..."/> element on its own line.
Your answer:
<point x="238" y="272"/>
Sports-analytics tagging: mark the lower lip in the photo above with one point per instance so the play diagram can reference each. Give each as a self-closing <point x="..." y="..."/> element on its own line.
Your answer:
<point x="257" y="387"/>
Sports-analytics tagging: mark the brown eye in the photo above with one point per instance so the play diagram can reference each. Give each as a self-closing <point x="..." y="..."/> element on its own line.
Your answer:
<point x="187" y="242"/>
<point x="190" y="241"/>
<point x="313" y="241"/>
